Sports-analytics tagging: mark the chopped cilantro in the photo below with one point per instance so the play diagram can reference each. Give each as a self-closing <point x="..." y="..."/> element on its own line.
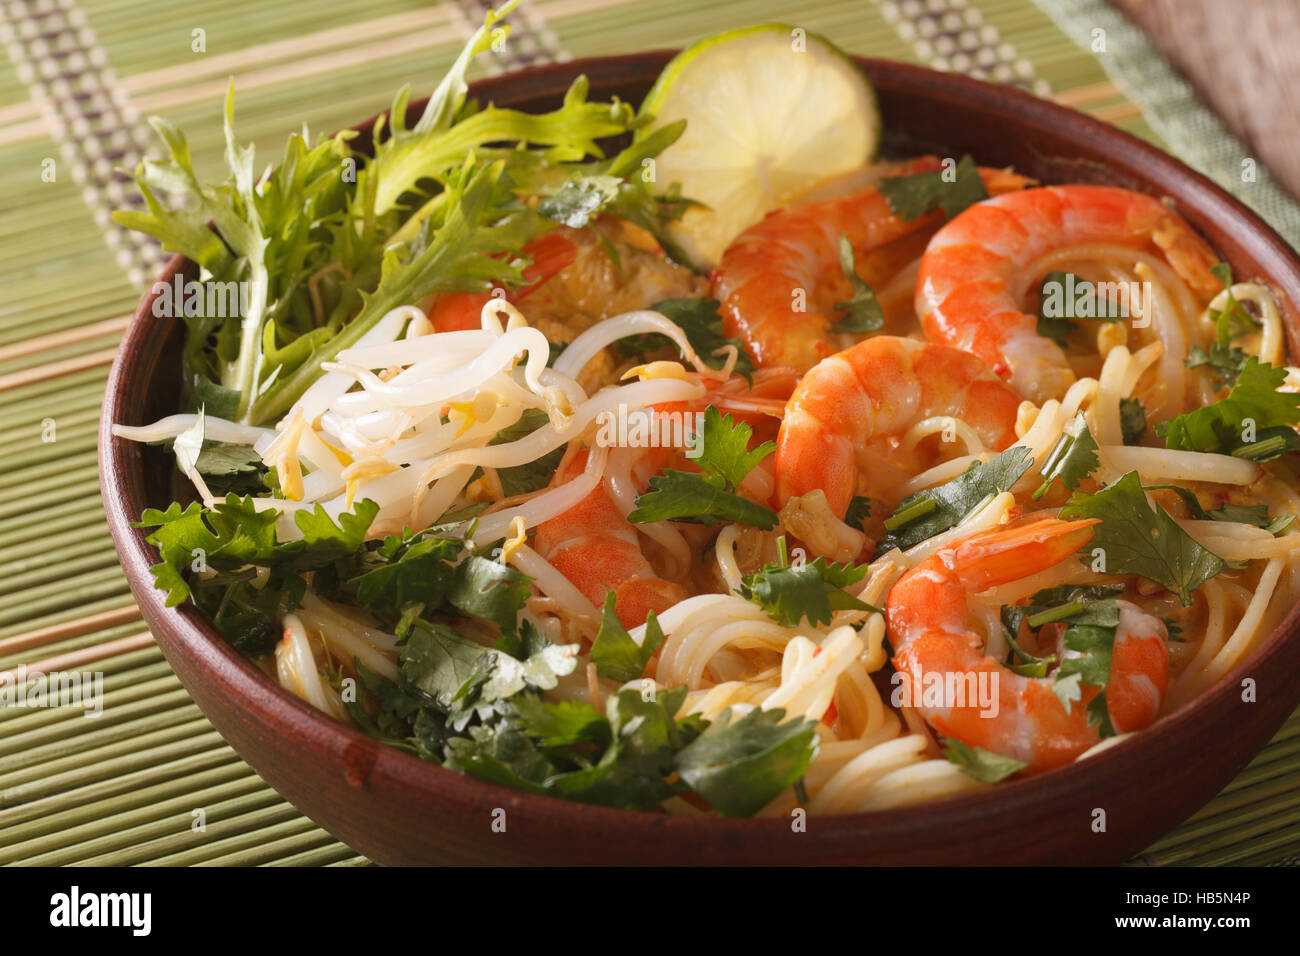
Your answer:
<point x="1132" y="420"/>
<point x="935" y="510"/>
<point x="532" y="475"/>
<point x="700" y="321"/>
<point x="858" y="512"/>
<point x="862" y="313"/>
<point x="710" y="496"/>
<point x="951" y="189"/>
<point x="1134" y="538"/>
<point x="1254" y="420"/>
<point x="1064" y="296"/>
<point x="614" y="652"/>
<point x="1091" y="617"/>
<point x="984" y="765"/>
<point x="1072" y="459"/>
<point x="1256" y="515"/>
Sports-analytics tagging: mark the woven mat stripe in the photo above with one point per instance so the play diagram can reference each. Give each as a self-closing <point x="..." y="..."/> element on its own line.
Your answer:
<point x="74" y="785"/>
<point x="97" y="130"/>
<point x="110" y="832"/>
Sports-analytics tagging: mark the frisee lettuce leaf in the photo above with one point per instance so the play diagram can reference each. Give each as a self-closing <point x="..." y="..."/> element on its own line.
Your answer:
<point x="330" y="240"/>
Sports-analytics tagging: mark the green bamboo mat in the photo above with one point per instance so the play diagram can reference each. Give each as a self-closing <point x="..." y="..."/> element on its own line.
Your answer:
<point x="149" y="781"/>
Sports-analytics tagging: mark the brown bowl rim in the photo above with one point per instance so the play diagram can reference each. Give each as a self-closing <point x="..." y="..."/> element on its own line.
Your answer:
<point x="385" y="766"/>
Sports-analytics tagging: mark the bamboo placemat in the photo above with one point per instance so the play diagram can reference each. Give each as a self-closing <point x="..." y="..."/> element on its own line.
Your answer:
<point x="128" y="787"/>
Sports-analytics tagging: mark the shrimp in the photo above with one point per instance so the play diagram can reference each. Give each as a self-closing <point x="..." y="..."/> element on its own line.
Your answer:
<point x="596" y="548"/>
<point x="578" y="277"/>
<point x="928" y="611"/>
<point x="778" y="281"/>
<point x="978" y="269"/>
<point x="458" y="311"/>
<point x="852" y="409"/>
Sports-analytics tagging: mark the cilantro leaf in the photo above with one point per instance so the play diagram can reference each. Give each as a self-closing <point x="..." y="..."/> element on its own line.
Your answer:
<point x="1093" y="645"/>
<point x="499" y="676"/>
<point x="708" y="498"/>
<point x="234" y="533"/>
<point x="621" y="758"/>
<point x="858" y="512"/>
<point x="417" y="571"/>
<point x="1072" y="459"/>
<point x="1134" y="538"/>
<point x="1132" y="420"/>
<point x="934" y="510"/>
<point x="532" y="475"/>
<point x="437" y="661"/>
<point x="862" y="313"/>
<point x="1253" y="415"/>
<point x="1091" y="618"/>
<point x="984" y="765"/>
<point x="614" y="652"/>
<point x="1226" y="362"/>
<point x="725" y="451"/>
<point x="740" y="766"/>
<point x="1256" y="515"/>
<point x="811" y="590"/>
<point x="702" y="324"/>
<point x="563" y="723"/>
<point x="227" y="458"/>
<point x="1064" y="296"/>
<point x="489" y="589"/>
<point x="952" y="190"/>
<point x="699" y="499"/>
<point x="1224" y="359"/>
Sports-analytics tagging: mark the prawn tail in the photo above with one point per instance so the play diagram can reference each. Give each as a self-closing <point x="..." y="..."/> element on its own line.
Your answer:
<point x="1008" y="554"/>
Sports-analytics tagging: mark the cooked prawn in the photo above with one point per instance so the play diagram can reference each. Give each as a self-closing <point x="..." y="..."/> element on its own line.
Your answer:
<point x="460" y="311"/>
<point x="779" y="280"/>
<point x="849" y="413"/>
<point x="928" y="613"/>
<point x="979" y="268"/>
<point x="597" y="549"/>
<point x="576" y="278"/>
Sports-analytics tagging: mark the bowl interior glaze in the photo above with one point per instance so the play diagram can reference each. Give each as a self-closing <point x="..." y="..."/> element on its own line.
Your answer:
<point x="397" y="809"/>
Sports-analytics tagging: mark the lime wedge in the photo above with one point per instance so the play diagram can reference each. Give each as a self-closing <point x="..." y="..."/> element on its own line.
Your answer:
<point x="771" y="111"/>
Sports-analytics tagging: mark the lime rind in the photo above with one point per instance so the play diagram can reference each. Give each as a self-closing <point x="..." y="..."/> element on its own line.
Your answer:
<point x="771" y="110"/>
